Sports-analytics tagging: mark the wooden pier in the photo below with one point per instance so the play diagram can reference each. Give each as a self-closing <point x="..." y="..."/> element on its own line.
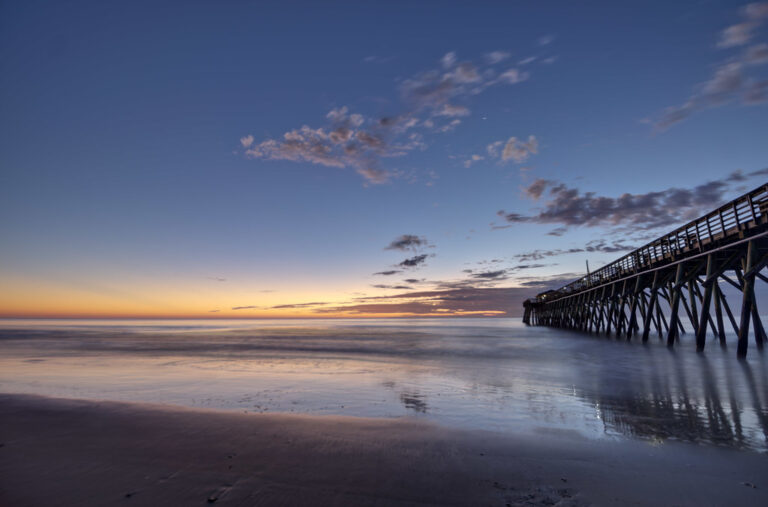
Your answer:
<point x="682" y="271"/>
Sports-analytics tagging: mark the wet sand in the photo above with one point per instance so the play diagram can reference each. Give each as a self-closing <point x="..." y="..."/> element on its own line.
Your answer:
<point x="72" y="452"/>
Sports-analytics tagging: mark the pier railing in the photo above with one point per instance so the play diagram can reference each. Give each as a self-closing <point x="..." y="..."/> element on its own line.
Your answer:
<point x="732" y="220"/>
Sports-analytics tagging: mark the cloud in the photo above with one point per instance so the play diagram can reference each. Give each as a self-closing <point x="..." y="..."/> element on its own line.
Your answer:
<point x="377" y="59"/>
<point x="730" y="80"/>
<point x="428" y="92"/>
<point x="570" y="207"/>
<point x="535" y="189"/>
<point x="753" y="15"/>
<point x="352" y="140"/>
<point x="757" y="54"/>
<point x="342" y="143"/>
<point x="471" y="160"/>
<point x="216" y="278"/>
<point x="503" y="302"/>
<point x="592" y="246"/>
<point x="399" y="287"/>
<point x="413" y="261"/>
<point x="513" y="76"/>
<point x="491" y="275"/>
<point x="407" y="242"/>
<point x="519" y="151"/>
<point x="244" y="307"/>
<point x="495" y="57"/>
<point x="756" y="92"/>
<point x="452" y="110"/>
<point x="388" y="273"/>
<point x="513" y="149"/>
<point x="546" y="283"/>
<point x="484" y="279"/>
<point x="448" y="60"/>
<point x="736" y="35"/>
<point x="545" y="40"/>
<point x="557" y="231"/>
<point x="297" y="305"/>
<point x="448" y="127"/>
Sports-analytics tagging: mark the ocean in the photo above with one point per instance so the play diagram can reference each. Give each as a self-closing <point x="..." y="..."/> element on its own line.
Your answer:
<point x="480" y="374"/>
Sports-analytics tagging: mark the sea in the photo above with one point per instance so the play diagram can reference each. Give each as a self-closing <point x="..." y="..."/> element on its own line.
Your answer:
<point x="479" y="374"/>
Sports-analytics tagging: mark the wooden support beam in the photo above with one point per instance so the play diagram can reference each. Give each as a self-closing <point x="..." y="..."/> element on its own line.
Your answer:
<point x="757" y="267"/>
<point x="701" y="332"/>
<point x="691" y="317"/>
<point x="738" y="286"/>
<point x="651" y="306"/>
<point x="746" y="302"/>
<point x="729" y="313"/>
<point x="633" y="306"/>
<point x="673" y="319"/>
<point x="611" y="304"/>
<point x="718" y="312"/>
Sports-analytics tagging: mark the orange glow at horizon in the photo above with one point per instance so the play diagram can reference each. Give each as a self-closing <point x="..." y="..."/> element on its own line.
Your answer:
<point x="48" y="300"/>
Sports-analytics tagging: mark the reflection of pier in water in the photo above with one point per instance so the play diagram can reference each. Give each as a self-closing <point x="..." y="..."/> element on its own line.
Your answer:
<point x="723" y="405"/>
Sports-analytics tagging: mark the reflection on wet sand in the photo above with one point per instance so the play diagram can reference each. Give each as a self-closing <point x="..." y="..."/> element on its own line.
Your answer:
<point x="691" y="408"/>
<point x="414" y="401"/>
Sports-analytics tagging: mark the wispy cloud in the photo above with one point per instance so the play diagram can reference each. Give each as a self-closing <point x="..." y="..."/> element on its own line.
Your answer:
<point x="592" y="246"/>
<point x="546" y="40"/>
<point x="297" y="305"/>
<point x="432" y="103"/>
<point x="344" y="142"/>
<point x="280" y="307"/>
<point x="407" y="242"/>
<point x="399" y="287"/>
<point x="545" y="283"/>
<point x="513" y="149"/>
<point x="461" y="301"/>
<point x="753" y="15"/>
<point x="495" y="57"/>
<point x="731" y="79"/>
<point x="412" y="262"/>
<point x="490" y="275"/>
<point x="387" y="273"/>
<point x="471" y="160"/>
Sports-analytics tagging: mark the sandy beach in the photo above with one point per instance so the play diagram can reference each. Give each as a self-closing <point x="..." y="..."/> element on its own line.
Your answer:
<point x="73" y="452"/>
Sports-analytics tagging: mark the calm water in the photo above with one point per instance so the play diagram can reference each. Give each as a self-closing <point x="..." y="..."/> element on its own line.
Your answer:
<point x="475" y="373"/>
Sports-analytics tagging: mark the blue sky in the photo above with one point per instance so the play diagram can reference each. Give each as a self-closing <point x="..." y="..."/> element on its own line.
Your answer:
<point x="125" y="187"/>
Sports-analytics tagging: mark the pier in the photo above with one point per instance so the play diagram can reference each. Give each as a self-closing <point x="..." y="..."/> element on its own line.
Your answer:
<point x="681" y="273"/>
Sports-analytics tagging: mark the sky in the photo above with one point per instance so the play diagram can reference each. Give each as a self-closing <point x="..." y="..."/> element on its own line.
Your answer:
<point x="359" y="159"/>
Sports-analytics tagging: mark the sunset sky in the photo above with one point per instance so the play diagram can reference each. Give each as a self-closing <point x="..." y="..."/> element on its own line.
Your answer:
<point x="323" y="159"/>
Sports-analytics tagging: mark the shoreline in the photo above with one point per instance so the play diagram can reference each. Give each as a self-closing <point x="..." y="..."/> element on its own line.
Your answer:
<point x="74" y="452"/>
